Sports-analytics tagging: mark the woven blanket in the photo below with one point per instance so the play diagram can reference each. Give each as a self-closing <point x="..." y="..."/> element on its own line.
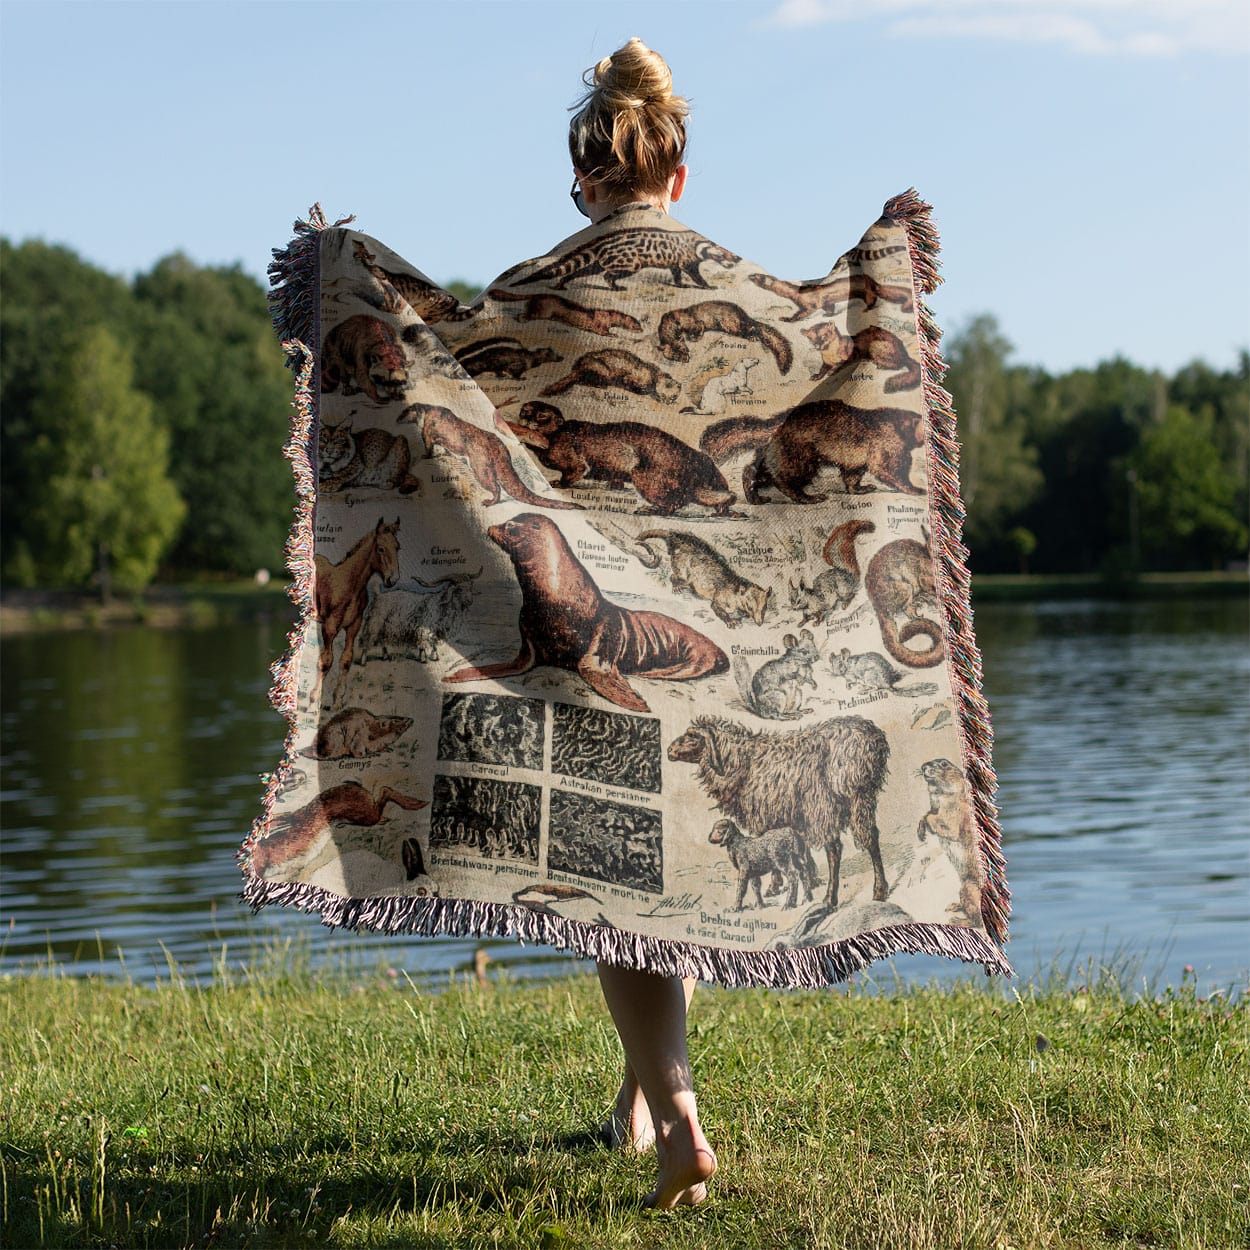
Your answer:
<point x="635" y="618"/>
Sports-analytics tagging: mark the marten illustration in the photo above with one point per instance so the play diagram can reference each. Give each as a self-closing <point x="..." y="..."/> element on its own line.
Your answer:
<point x="623" y="370"/>
<point x="628" y="252"/>
<point x="666" y="472"/>
<point x="504" y="358"/>
<point x="950" y="821"/>
<point x="350" y="803"/>
<point x="354" y="733"/>
<point x="884" y="349"/>
<point x="833" y="590"/>
<point x="601" y="321"/>
<point x="369" y="459"/>
<point x="793" y="447"/>
<point x="899" y="582"/>
<point x="566" y="622"/>
<point x="698" y="567"/>
<point x="684" y="325"/>
<point x="405" y="290"/>
<point x="486" y="456"/>
<point x="826" y="295"/>
<point x="363" y="354"/>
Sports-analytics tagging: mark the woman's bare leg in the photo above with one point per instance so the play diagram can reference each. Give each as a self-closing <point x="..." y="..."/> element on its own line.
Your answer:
<point x="650" y="1015"/>
<point x="629" y="1124"/>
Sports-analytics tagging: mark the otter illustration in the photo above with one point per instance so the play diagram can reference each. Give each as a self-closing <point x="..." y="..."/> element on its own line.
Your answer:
<point x="666" y="472"/>
<point x="686" y="325"/>
<point x="363" y="354"/>
<point x="354" y="733"/>
<point x="619" y="369"/>
<point x="503" y="357"/>
<point x="698" y="567"/>
<point x="486" y="456"/>
<point x="899" y="582"/>
<point x="565" y="622"/>
<point x="949" y="819"/>
<point x="828" y="293"/>
<point x="793" y="447"/>
<point x="601" y="321"/>
<point x="628" y="252"/>
<point x="405" y="290"/>
<point x="885" y="350"/>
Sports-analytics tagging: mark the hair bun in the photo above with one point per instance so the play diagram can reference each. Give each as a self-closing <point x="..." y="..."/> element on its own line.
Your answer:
<point x="633" y="77"/>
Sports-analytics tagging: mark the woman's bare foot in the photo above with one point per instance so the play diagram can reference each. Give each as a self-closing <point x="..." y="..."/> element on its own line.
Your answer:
<point x="686" y="1165"/>
<point x="629" y="1126"/>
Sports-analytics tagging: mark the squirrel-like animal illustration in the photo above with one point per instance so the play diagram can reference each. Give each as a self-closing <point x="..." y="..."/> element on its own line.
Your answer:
<point x="666" y="472"/>
<point x="486" y="456"/>
<point x="833" y="590"/>
<point x="354" y="733"/>
<point x="873" y="674"/>
<point x="369" y="459"/>
<point x="899" y="582"/>
<point x="601" y="321"/>
<point x="828" y="293"/>
<point x="405" y="290"/>
<point x="363" y="354"/>
<point x="628" y="252"/>
<point x="949" y="819"/>
<point x="622" y="370"/>
<point x="793" y="447"/>
<point x="503" y="357"/>
<point x="698" y="567"/>
<point x="839" y="351"/>
<point x="683" y="326"/>
<point x="775" y="691"/>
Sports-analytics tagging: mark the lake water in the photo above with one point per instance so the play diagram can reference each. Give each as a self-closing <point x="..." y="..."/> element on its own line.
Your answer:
<point x="131" y="759"/>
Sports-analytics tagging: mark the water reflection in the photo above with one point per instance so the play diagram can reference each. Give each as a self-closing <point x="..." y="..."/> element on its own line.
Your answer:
<point x="131" y="759"/>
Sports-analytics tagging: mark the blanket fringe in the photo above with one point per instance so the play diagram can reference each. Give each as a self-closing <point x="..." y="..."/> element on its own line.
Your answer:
<point x="947" y="513"/>
<point x="786" y="968"/>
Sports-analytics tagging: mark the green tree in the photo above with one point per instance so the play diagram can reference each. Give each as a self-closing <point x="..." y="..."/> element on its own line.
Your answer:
<point x="1186" y="495"/>
<point x="208" y="357"/>
<point x="997" y="467"/>
<point x="104" y="503"/>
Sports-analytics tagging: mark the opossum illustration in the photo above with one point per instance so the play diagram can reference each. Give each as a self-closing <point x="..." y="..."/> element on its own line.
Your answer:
<point x="698" y="567"/>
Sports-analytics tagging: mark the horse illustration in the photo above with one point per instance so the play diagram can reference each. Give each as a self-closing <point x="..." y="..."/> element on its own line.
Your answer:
<point x="341" y="592"/>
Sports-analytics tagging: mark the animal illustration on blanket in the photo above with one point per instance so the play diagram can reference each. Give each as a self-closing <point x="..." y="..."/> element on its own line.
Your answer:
<point x="793" y="447"/>
<point x="566" y="622"/>
<point x="821" y="780"/>
<point x="363" y="354"/>
<point x="667" y="473"/>
<point x="683" y="326"/>
<point x="342" y="590"/>
<point x="484" y="454"/>
<point x="642" y="699"/>
<point x="695" y="565"/>
<point x="369" y="459"/>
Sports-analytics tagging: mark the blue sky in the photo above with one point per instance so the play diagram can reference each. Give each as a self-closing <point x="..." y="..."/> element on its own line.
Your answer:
<point x="1088" y="160"/>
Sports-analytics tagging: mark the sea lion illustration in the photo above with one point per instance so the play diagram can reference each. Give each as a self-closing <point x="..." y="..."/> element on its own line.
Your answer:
<point x="566" y="622"/>
<point x="486" y="456"/>
<point x="666" y="472"/>
<point x="683" y="326"/>
<point x="622" y="370"/>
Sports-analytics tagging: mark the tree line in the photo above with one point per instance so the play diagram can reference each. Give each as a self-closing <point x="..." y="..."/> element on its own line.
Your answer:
<point x="143" y="423"/>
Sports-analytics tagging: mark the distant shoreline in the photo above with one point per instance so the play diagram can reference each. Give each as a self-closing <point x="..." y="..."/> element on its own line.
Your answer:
<point x="200" y="605"/>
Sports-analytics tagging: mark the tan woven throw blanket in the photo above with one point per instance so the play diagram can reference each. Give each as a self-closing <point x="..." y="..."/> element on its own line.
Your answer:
<point x="635" y="617"/>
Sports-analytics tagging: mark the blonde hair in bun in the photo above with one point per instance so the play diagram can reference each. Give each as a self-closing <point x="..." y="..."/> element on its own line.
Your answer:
<point x="629" y="131"/>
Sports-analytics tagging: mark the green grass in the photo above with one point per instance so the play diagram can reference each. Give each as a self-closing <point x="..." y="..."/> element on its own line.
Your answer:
<point x="286" y="1109"/>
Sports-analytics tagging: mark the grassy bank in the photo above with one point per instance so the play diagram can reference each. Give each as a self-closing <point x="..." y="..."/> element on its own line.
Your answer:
<point x="290" y="1111"/>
